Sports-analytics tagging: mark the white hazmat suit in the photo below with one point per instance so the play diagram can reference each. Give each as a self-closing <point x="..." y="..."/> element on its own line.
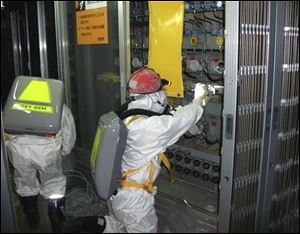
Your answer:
<point x="132" y="209"/>
<point x="30" y="154"/>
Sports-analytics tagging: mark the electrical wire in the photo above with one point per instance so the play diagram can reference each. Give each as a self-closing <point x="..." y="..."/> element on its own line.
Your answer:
<point x="83" y="201"/>
<point x="190" y="76"/>
<point x="205" y="72"/>
<point x="208" y="18"/>
<point x="88" y="185"/>
<point x="217" y="17"/>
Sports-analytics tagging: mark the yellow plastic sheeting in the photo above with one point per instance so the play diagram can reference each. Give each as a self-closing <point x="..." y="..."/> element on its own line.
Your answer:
<point x="165" y="41"/>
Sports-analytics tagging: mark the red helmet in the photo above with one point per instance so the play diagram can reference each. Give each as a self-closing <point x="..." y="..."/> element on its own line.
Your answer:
<point x="144" y="81"/>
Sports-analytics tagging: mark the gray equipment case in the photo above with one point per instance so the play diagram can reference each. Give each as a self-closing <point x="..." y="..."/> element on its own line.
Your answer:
<point x="34" y="106"/>
<point x="107" y="152"/>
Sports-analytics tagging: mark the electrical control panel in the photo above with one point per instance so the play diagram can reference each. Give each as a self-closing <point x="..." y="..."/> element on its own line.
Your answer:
<point x="195" y="158"/>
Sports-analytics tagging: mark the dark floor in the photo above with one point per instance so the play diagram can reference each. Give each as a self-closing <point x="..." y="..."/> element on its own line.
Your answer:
<point x="81" y="199"/>
<point x="22" y="225"/>
<point x="173" y="218"/>
<point x="174" y="215"/>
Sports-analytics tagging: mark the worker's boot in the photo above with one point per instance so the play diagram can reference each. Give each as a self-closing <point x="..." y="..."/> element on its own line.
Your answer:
<point x="56" y="212"/>
<point x="93" y="224"/>
<point x="31" y="211"/>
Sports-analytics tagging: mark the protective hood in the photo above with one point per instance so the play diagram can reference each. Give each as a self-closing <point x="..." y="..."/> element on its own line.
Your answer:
<point x="156" y="102"/>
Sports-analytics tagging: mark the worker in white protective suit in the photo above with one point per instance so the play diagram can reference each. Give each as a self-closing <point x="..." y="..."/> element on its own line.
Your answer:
<point x="132" y="208"/>
<point x="37" y="162"/>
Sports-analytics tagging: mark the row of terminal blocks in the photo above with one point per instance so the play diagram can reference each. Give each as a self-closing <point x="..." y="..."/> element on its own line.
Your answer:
<point x="186" y="165"/>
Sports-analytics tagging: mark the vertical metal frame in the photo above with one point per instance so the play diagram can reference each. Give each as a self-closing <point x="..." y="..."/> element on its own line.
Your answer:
<point x="229" y="112"/>
<point x="124" y="45"/>
<point x="62" y="45"/>
<point x="15" y="42"/>
<point x="42" y="38"/>
<point x="28" y="39"/>
<point x="19" y="43"/>
<point x="271" y="118"/>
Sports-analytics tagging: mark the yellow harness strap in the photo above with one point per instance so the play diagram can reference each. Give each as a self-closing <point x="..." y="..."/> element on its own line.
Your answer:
<point x="148" y="185"/>
<point x="130" y="119"/>
<point x="167" y="164"/>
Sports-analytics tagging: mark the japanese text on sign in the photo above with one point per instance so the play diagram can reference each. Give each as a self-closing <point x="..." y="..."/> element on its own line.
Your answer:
<point x="92" y="26"/>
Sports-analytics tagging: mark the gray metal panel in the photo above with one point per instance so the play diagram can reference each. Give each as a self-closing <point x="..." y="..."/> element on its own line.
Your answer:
<point x="229" y="112"/>
<point x="86" y="93"/>
<point x="107" y="169"/>
<point x="8" y="216"/>
<point x="62" y="42"/>
<point x="31" y="122"/>
<point x="124" y="46"/>
<point x="270" y="135"/>
<point x="95" y="69"/>
<point x="42" y="38"/>
<point x="211" y="157"/>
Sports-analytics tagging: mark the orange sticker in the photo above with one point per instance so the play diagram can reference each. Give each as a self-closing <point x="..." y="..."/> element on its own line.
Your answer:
<point x="92" y="26"/>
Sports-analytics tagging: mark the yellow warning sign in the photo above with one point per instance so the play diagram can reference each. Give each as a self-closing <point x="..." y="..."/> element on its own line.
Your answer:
<point x="92" y="26"/>
<point x="32" y="107"/>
